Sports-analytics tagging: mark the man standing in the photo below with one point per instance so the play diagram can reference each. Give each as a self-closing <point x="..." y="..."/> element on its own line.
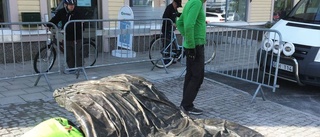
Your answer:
<point x="73" y="32"/>
<point x="192" y="25"/>
<point x="171" y="13"/>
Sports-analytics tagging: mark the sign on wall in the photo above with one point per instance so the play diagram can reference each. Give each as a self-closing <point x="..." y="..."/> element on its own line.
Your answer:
<point x="84" y="3"/>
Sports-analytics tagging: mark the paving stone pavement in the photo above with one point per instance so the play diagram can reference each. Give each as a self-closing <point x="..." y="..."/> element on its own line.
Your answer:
<point x="24" y="106"/>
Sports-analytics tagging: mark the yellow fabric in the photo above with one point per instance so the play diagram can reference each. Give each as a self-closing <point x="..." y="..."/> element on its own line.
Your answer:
<point x="54" y="127"/>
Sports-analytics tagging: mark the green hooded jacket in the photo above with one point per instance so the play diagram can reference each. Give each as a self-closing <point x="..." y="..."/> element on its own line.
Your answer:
<point x="192" y="24"/>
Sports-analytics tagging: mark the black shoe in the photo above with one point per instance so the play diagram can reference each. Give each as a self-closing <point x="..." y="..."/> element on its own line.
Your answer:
<point x="195" y="111"/>
<point x="183" y="110"/>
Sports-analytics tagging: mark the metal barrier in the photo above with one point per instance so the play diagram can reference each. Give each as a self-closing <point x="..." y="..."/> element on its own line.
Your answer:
<point x="19" y="46"/>
<point x="112" y="42"/>
<point x="248" y="54"/>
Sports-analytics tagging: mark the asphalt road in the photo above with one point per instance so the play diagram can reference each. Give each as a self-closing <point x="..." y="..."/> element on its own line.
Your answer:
<point x="303" y="98"/>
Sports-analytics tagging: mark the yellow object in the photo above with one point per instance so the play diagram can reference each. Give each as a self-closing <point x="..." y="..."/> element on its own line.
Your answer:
<point x="54" y="127"/>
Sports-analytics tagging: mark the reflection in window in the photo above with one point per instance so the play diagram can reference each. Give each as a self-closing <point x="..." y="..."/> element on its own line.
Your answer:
<point x="282" y="8"/>
<point x="236" y="9"/>
<point x="148" y="9"/>
<point x="141" y="2"/>
<point x="306" y="11"/>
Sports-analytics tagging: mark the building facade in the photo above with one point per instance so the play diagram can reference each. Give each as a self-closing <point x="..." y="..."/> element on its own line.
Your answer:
<point x="250" y="11"/>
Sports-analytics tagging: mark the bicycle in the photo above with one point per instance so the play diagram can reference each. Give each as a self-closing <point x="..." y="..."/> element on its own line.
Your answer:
<point x="173" y="51"/>
<point x="46" y="57"/>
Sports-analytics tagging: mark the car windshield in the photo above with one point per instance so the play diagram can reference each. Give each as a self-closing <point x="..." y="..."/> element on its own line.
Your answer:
<point x="307" y="11"/>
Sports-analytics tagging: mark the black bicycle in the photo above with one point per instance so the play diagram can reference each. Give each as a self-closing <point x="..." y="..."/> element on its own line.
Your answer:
<point x="163" y="52"/>
<point x="45" y="58"/>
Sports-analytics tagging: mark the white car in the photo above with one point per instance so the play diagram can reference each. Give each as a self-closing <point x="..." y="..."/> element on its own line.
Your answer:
<point x="215" y="17"/>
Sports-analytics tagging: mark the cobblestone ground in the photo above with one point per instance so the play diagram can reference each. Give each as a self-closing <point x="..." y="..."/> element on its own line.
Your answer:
<point x="268" y="118"/>
<point x="16" y="119"/>
<point x="217" y="100"/>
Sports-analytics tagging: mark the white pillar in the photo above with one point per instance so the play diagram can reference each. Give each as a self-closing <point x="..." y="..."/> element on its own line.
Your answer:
<point x="272" y="10"/>
<point x="44" y="10"/>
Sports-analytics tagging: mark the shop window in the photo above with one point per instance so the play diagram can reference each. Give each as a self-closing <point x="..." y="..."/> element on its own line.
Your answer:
<point x="3" y="12"/>
<point x="88" y="7"/>
<point x="148" y="9"/>
<point x="234" y="10"/>
<point x="139" y="3"/>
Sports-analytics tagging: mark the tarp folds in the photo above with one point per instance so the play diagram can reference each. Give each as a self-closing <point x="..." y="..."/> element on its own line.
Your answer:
<point x="125" y="105"/>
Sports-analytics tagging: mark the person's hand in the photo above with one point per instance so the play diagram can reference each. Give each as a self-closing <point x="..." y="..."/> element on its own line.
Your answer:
<point x="174" y="26"/>
<point x="190" y="53"/>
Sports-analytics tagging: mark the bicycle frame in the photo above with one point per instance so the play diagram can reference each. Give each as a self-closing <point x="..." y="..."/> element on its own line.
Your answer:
<point x="178" y="47"/>
<point x="53" y="42"/>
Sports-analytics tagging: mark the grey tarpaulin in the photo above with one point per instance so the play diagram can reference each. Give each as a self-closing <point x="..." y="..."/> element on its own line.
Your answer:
<point x="125" y="105"/>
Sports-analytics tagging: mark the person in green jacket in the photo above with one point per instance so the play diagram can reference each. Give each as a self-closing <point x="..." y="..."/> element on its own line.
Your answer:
<point x="192" y="26"/>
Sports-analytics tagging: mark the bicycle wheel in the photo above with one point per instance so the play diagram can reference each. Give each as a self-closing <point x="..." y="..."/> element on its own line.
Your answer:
<point x="44" y="60"/>
<point x="210" y="52"/>
<point x="90" y="53"/>
<point x="159" y="52"/>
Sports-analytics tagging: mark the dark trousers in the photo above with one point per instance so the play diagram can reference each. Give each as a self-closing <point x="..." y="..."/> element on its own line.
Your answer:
<point x="193" y="78"/>
<point x="74" y="53"/>
<point x="167" y="35"/>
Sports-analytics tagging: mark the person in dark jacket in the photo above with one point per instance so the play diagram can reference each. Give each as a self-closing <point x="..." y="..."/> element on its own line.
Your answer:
<point x="171" y="13"/>
<point x="73" y="32"/>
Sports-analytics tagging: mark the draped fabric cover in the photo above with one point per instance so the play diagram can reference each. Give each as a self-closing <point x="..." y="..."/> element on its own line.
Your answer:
<point x="130" y="106"/>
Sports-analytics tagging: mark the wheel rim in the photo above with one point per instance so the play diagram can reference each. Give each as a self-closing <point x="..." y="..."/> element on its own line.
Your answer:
<point x="89" y="54"/>
<point x="158" y="56"/>
<point x="210" y="52"/>
<point x="45" y="60"/>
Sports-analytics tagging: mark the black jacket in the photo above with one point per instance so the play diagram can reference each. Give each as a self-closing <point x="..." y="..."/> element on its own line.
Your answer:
<point x="172" y="14"/>
<point x="64" y="16"/>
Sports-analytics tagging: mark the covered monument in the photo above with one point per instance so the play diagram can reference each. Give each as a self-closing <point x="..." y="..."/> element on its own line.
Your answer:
<point x="125" y="105"/>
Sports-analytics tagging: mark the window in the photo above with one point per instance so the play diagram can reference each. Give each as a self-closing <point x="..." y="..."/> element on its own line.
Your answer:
<point x="88" y="7"/>
<point x="148" y="9"/>
<point x="282" y="8"/>
<point x="3" y="12"/>
<point x="135" y="3"/>
<point x="307" y="11"/>
<point x="236" y="9"/>
<point x="211" y="15"/>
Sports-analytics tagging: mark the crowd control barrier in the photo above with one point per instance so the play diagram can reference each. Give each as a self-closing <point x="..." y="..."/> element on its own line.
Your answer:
<point x="248" y="54"/>
<point x="113" y="42"/>
<point x="20" y="44"/>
